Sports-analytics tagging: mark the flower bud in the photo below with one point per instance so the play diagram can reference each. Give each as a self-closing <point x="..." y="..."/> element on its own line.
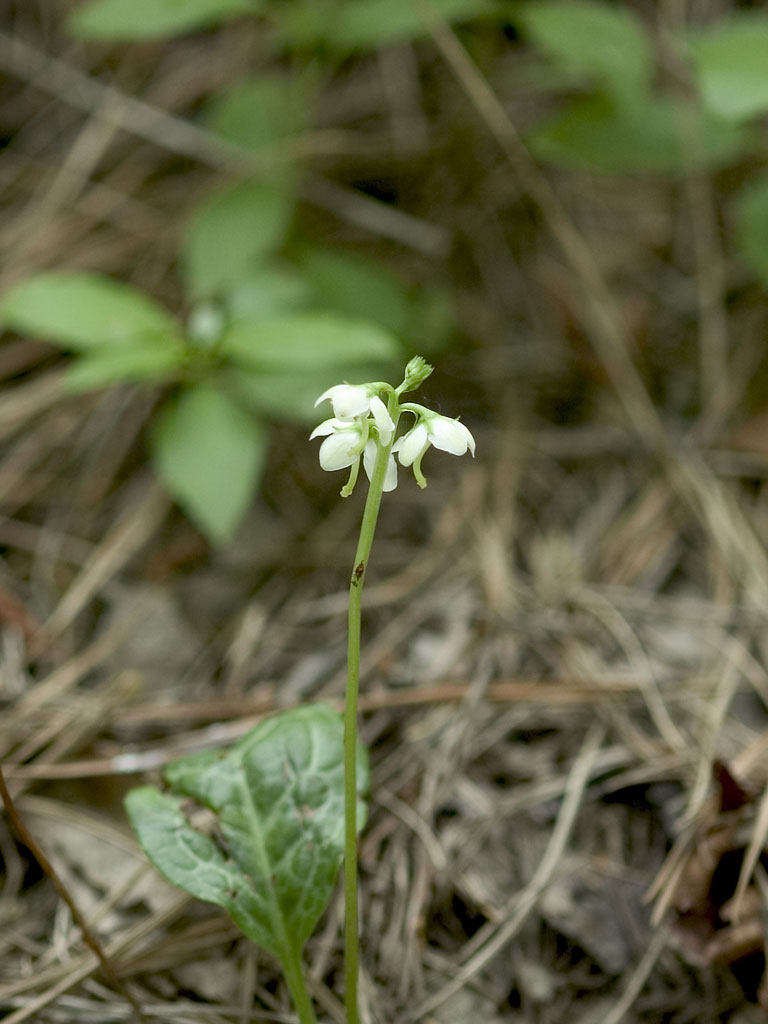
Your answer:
<point x="416" y="372"/>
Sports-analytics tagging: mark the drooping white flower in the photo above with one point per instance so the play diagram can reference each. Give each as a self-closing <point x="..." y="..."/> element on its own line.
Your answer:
<point x="351" y="401"/>
<point x="348" y="400"/>
<point x="343" y="443"/>
<point x="370" y="452"/>
<point x="441" y="432"/>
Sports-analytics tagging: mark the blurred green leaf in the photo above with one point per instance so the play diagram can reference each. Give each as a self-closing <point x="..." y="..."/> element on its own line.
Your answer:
<point x="366" y="24"/>
<point x="752" y="226"/>
<point x="78" y="310"/>
<point x="356" y="287"/>
<point x="150" y="19"/>
<point x="306" y="342"/>
<point x="607" y="41"/>
<point x="432" y="318"/>
<point x="260" y="112"/>
<point x="228" y="233"/>
<point x="646" y="136"/>
<point x="140" y="361"/>
<point x="267" y="292"/>
<point x="291" y="396"/>
<point x="209" y="452"/>
<point x="730" y="60"/>
<point x="282" y="396"/>
<point x="279" y="801"/>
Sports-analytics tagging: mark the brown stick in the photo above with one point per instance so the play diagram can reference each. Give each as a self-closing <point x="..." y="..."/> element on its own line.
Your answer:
<point x="89" y="937"/>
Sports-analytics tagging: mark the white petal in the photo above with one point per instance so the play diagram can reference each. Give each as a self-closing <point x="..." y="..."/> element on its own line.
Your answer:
<point x="350" y="400"/>
<point x="450" y="435"/>
<point x="327" y="394"/>
<point x="390" y="478"/>
<point x="369" y="461"/>
<point x="326" y="427"/>
<point x="382" y="419"/>
<point x="410" y="445"/>
<point x="335" y="451"/>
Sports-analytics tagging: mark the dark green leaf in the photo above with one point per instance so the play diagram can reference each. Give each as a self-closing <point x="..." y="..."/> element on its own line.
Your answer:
<point x="209" y="452"/>
<point x="79" y="310"/>
<point x="149" y="19"/>
<point x="194" y="862"/>
<point x="230" y="232"/>
<point x="278" y="797"/>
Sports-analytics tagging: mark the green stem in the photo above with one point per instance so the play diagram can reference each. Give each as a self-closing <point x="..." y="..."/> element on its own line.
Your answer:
<point x="294" y="977"/>
<point x="367" y="530"/>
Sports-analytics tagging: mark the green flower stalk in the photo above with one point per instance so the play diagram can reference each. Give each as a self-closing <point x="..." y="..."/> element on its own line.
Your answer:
<point x="364" y="428"/>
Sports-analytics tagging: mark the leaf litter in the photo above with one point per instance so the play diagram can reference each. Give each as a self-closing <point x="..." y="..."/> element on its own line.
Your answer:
<point x="564" y="684"/>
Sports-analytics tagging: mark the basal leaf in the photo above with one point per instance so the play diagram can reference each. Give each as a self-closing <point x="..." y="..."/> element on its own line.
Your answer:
<point x="229" y="232"/>
<point x="209" y="452"/>
<point x="606" y="41"/>
<point x="731" y="64"/>
<point x="149" y="19"/>
<point x="278" y="797"/>
<point x="306" y="342"/>
<point x="190" y="859"/>
<point x="79" y="310"/>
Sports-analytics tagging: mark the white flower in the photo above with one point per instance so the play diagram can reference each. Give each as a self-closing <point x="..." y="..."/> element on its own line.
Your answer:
<point x="369" y="459"/>
<point x="351" y="401"/>
<point x="345" y="441"/>
<point x="343" y="445"/>
<point x="348" y="400"/>
<point x="441" y="432"/>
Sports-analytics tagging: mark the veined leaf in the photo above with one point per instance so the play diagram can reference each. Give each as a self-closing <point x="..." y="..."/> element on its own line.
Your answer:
<point x="209" y="452"/>
<point x="305" y="342"/>
<point x="79" y="310"/>
<point x="278" y="797"/>
<point x="229" y="232"/>
<point x="149" y="19"/>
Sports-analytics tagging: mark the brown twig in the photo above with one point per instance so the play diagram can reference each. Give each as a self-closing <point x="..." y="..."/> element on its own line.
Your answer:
<point x="90" y="939"/>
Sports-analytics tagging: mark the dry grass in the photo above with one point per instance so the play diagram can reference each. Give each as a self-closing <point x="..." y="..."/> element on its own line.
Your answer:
<point x="564" y="669"/>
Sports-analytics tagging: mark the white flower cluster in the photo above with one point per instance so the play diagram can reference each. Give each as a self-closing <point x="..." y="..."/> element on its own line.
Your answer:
<point x="362" y="424"/>
<point x="348" y="435"/>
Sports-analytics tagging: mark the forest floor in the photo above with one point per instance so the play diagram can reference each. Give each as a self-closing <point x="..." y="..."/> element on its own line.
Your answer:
<point x="565" y="640"/>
